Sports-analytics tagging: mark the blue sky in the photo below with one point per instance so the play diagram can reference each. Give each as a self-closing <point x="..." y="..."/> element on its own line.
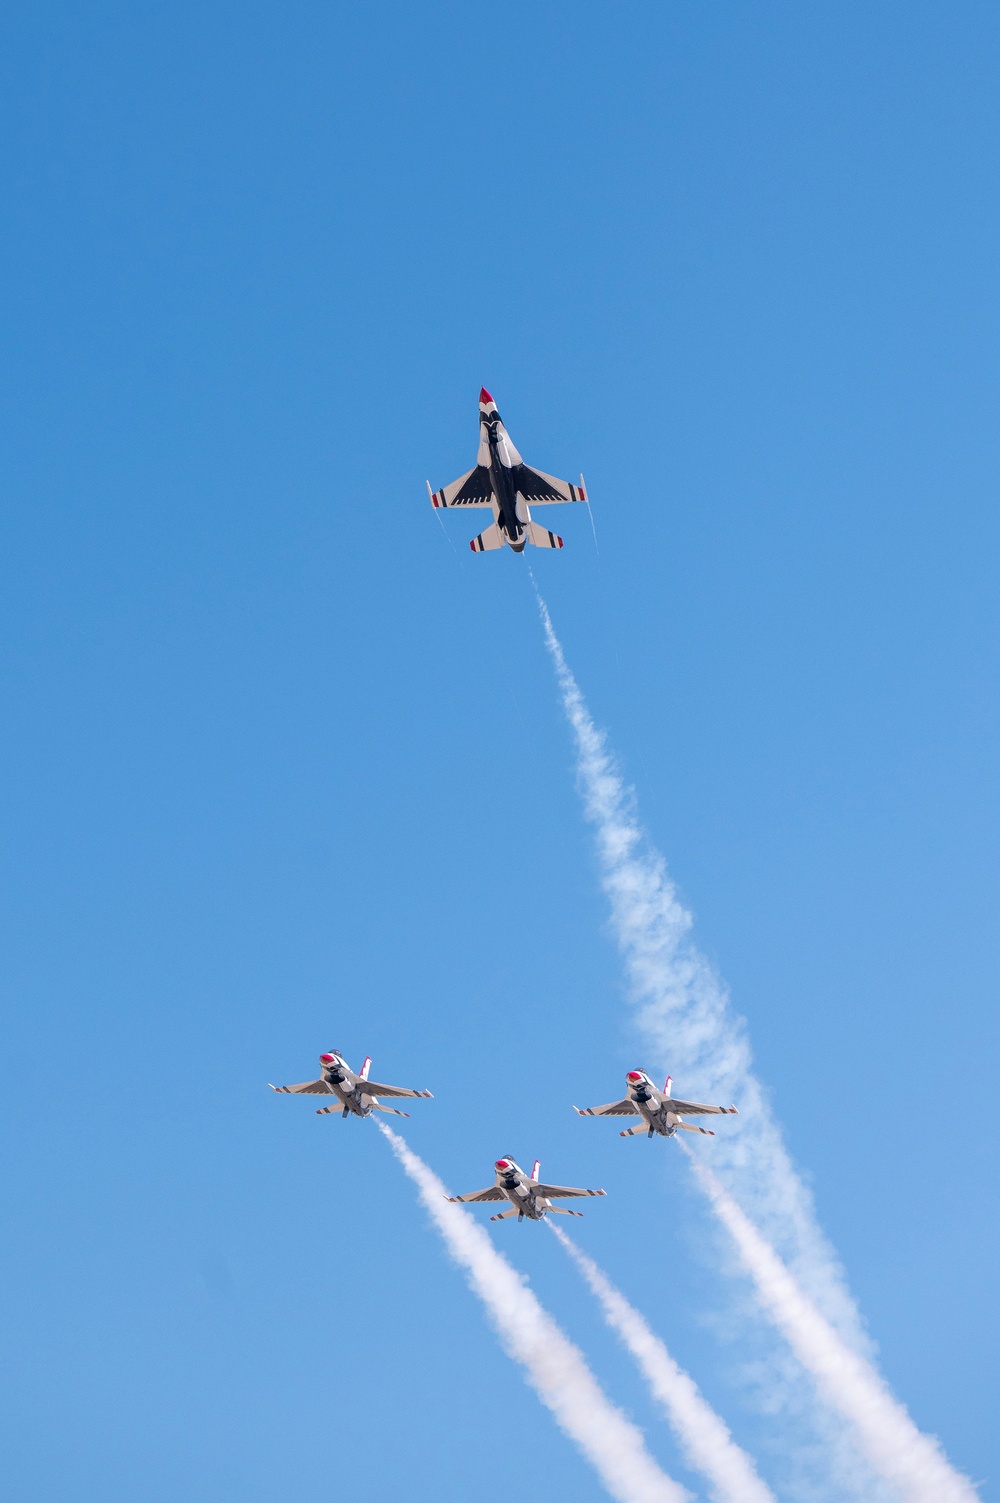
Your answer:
<point x="284" y="771"/>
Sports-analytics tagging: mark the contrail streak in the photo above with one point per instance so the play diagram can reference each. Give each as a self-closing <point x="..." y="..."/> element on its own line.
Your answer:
<point x="704" y="1438"/>
<point x="895" y="1447"/>
<point x="685" y="1015"/>
<point x="555" y="1368"/>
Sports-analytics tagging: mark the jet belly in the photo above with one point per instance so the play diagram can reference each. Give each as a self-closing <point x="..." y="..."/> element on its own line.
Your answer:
<point x="648" y="1107"/>
<point x="520" y="1197"/>
<point x="510" y="520"/>
<point x="347" y="1094"/>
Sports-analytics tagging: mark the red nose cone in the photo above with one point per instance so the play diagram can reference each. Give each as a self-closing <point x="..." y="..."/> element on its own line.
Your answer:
<point x="326" y="1059"/>
<point x="502" y="1164"/>
<point x="634" y="1075"/>
<point x="484" y="396"/>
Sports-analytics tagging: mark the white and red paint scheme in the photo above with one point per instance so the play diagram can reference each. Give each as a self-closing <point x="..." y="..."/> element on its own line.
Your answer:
<point x="355" y="1094"/>
<point x="527" y="1195"/>
<point x="660" y="1111"/>
<point x="504" y="483"/>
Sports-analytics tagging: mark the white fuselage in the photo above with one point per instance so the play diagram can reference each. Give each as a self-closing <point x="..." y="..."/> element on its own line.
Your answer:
<point x="521" y="1192"/>
<point x="347" y="1087"/>
<point x="653" y="1107"/>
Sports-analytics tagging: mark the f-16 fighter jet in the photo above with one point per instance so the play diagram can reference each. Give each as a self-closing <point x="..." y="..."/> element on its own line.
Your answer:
<point x="660" y="1112"/>
<point x="503" y="482"/>
<point x="354" y="1093"/>
<point x="528" y="1197"/>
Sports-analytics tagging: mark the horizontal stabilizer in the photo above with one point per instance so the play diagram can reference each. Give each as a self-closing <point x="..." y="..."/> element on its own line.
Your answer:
<point x="488" y="540"/>
<point x="542" y="537"/>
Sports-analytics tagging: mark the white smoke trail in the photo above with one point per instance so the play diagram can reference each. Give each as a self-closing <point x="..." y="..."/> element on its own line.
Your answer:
<point x="685" y="1015"/>
<point x="895" y="1447"/>
<point x="555" y="1368"/>
<point x="704" y="1438"/>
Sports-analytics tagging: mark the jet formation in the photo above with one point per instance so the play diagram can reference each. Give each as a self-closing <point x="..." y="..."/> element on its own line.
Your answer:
<point x="504" y="483"/>
<point x="530" y="1197"/>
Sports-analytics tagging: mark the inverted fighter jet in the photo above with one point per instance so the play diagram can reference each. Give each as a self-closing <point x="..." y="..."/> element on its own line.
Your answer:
<point x="528" y="1197"/>
<point x="660" y="1112"/>
<point x="354" y="1093"/>
<point x="503" y="482"/>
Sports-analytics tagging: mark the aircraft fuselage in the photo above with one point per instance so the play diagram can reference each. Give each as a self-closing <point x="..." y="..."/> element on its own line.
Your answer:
<point x="518" y="1189"/>
<point x="512" y="512"/>
<point x="653" y="1111"/>
<point x="347" y="1087"/>
<point x="654" y="1108"/>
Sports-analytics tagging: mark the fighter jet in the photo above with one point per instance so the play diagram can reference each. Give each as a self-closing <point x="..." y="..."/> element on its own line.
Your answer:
<point x="502" y="481"/>
<point x="528" y="1197"/>
<point x="354" y="1093"/>
<point x="661" y="1112"/>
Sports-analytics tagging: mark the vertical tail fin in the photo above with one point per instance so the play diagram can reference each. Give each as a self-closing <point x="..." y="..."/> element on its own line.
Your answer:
<point x="536" y="1169"/>
<point x="666" y="1088"/>
<point x="363" y="1075"/>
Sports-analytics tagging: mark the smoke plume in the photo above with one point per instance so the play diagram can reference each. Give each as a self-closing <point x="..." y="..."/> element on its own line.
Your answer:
<point x="703" y="1436"/>
<point x="684" y="1014"/>
<point x="888" y="1437"/>
<point x="555" y="1368"/>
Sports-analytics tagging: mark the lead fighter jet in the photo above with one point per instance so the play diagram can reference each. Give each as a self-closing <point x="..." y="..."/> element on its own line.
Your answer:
<point x="502" y="481"/>
<point x="354" y="1093"/>
<point x="660" y="1112"/>
<point x="528" y="1197"/>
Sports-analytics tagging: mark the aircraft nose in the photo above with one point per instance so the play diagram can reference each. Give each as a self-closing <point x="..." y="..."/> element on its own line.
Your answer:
<point x="326" y="1059"/>
<point x="502" y="1164"/>
<point x="634" y="1075"/>
<point x="484" y="395"/>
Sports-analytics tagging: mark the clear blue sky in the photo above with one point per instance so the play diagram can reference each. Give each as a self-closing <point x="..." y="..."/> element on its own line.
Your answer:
<point x="284" y="772"/>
